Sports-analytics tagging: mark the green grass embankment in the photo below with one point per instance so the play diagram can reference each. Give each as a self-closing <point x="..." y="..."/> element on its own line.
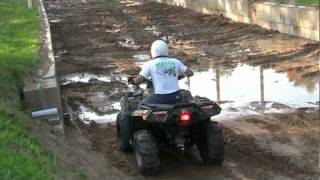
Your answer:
<point x="302" y="2"/>
<point x="21" y="156"/>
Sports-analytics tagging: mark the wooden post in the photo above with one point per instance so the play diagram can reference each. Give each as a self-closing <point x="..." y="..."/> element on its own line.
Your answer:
<point x="261" y="84"/>
<point x="218" y="85"/>
<point x="319" y="82"/>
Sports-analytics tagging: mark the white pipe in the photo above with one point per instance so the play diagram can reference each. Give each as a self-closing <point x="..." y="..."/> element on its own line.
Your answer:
<point x="45" y="112"/>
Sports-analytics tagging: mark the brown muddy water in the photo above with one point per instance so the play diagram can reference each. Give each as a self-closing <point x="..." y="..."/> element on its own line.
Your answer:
<point x="243" y="90"/>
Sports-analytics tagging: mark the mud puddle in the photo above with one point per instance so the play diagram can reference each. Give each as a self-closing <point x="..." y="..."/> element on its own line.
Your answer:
<point x="88" y="115"/>
<point x="129" y="43"/>
<point x="253" y="88"/>
<point x="95" y="96"/>
<point x="142" y="57"/>
<point x="86" y="77"/>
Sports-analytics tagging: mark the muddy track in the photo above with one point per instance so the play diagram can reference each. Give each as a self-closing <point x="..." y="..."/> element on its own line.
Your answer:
<point x="111" y="38"/>
<point x="95" y="34"/>
<point x="245" y="156"/>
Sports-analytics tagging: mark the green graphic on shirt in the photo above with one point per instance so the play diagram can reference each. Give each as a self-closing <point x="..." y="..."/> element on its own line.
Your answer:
<point x="166" y="68"/>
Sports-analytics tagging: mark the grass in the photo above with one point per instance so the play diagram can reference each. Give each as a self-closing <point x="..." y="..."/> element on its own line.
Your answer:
<point x="21" y="156"/>
<point x="19" y="46"/>
<point x="302" y="2"/>
<point x="309" y="2"/>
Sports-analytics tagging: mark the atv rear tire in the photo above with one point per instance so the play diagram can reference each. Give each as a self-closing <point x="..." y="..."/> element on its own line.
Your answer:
<point x="211" y="145"/>
<point x="146" y="156"/>
<point x="124" y="132"/>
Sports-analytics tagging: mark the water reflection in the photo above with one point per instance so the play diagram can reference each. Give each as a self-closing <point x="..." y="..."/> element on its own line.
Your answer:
<point x="245" y="84"/>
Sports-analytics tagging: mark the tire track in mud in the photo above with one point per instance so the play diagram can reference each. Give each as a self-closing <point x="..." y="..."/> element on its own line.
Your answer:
<point x="265" y="57"/>
<point x="101" y="37"/>
<point x="286" y="144"/>
<point x="243" y="148"/>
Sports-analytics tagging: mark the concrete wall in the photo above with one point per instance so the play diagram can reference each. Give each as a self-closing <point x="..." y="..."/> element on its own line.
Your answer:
<point x="293" y="20"/>
<point x="43" y="91"/>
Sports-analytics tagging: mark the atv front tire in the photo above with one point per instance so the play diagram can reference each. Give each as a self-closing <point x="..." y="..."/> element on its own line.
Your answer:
<point x="124" y="132"/>
<point x="145" y="153"/>
<point x="211" y="145"/>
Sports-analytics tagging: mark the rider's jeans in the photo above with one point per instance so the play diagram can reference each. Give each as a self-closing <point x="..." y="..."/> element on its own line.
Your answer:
<point x="162" y="98"/>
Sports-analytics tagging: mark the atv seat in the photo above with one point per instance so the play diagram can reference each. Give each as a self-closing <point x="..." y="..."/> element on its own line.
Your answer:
<point x="156" y="106"/>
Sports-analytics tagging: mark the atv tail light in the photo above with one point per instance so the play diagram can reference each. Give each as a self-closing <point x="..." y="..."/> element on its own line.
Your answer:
<point x="185" y="117"/>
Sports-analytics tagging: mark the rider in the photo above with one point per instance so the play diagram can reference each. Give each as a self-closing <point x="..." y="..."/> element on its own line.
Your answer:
<point x="164" y="72"/>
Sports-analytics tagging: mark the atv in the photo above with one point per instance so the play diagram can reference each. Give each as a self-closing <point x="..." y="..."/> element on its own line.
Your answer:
<point x="148" y="128"/>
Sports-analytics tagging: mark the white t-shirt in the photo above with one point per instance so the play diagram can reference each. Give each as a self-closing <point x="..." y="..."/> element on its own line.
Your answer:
<point x="164" y="73"/>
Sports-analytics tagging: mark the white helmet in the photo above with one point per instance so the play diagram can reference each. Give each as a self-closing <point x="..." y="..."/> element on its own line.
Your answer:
<point x="159" y="48"/>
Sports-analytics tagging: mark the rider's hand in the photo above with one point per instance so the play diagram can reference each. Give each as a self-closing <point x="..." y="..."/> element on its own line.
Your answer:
<point x="188" y="73"/>
<point x="181" y="76"/>
<point x="131" y="80"/>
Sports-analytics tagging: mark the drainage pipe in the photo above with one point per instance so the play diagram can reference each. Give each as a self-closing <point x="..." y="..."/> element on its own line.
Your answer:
<point x="45" y="113"/>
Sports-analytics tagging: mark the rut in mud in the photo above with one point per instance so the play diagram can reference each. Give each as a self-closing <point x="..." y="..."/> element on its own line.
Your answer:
<point x="99" y="43"/>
